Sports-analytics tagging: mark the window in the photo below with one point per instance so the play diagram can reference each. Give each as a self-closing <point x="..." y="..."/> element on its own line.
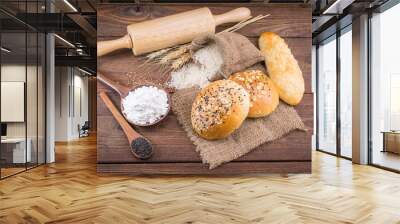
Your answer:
<point x="334" y="106"/>
<point x="22" y="78"/>
<point x="385" y="89"/>
<point x="394" y="102"/>
<point x="346" y="75"/>
<point x="327" y="96"/>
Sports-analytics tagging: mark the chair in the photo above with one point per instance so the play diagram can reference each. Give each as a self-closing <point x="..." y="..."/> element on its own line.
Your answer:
<point x="84" y="130"/>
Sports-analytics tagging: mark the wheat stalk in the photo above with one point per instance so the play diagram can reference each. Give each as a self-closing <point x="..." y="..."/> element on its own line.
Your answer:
<point x="173" y="58"/>
<point x="157" y="54"/>
<point x="174" y="54"/>
<point x="244" y="23"/>
<point x="181" y="61"/>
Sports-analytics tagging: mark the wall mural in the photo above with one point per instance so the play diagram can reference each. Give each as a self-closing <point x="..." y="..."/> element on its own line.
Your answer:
<point x="204" y="89"/>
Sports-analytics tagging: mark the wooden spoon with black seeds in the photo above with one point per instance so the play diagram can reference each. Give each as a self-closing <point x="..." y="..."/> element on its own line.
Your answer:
<point x="140" y="146"/>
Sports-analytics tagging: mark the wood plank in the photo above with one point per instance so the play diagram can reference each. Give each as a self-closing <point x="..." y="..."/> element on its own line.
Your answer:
<point x="173" y="150"/>
<point x="177" y="148"/>
<point x="198" y="168"/>
<point x="286" y="20"/>
<point x="171" y="143"/>
<point x="119" y="64"/>
<point x="305" y="108"/>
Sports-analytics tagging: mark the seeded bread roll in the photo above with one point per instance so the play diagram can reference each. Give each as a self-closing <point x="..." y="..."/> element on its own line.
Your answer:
<point x="282" y="68"/>
<point x="264" y="97"/>
<point x="219" y="109"/>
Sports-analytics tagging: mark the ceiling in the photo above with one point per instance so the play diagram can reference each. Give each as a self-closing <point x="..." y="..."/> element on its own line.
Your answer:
<point x="74" y="22"/>
<point x="333" y="15"/>
<point x="39" y="6"/>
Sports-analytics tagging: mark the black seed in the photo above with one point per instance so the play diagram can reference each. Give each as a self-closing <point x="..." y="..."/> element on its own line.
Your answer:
<point x="141" y="148"/>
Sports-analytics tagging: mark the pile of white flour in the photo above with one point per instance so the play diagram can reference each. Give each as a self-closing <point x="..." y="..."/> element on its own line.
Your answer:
<point x="207" y="62"/>
<point x="145" y="105"/>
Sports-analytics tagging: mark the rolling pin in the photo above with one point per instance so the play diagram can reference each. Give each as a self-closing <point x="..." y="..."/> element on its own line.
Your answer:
<point x="171" y="30"/>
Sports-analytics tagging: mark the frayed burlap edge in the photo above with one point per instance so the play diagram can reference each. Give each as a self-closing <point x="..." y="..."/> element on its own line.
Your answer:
<point x="252" y="133"/>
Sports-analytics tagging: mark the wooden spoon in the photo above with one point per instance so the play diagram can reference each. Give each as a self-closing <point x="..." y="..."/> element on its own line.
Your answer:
<point x="140" y="146"/>
<point x="123" y="91"/>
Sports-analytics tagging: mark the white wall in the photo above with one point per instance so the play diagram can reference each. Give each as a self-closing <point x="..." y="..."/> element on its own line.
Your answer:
<point x="61" y="103"/>
<point x="12" y="73"/>
<point x="81" y="102"/>
<point x="33" y="126"/>
<point x="71" y="102"/>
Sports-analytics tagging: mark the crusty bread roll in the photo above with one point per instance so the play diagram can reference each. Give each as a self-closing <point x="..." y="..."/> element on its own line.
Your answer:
<point x="282" y="67"/>
<point x="264" y="97"/>
<point x="219" y="109"/>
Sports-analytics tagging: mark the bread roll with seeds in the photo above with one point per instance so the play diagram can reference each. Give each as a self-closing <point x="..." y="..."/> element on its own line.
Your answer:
<point x="282" y="68"/>
<point x="219" y="109"/>
<point x="264" y="97"/>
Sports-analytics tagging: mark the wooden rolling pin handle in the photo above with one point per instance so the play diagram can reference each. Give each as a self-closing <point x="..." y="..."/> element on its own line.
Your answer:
<point x="232" y="16"/>
<point x="105" y="47"/>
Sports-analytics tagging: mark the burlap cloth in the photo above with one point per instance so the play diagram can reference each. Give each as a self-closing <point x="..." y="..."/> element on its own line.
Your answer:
<point x="237" y="51"/>
<point x="237" y="56"/>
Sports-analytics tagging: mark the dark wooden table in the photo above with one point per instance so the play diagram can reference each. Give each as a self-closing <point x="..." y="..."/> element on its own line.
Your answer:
<point x="174" y="153"/>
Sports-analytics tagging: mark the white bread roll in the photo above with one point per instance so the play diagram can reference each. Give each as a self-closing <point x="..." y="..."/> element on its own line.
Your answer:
<point x="219" y="109"/>
<point x="264" y="97"/>
<point x="282" y="67"/>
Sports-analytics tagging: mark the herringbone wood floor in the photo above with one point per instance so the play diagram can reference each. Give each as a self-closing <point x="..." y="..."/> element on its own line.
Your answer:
<point x="70" y="191"/>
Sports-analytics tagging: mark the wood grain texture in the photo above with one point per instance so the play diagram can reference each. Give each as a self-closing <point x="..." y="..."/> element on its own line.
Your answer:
<point x="171" y="143"/>
<point x="287" y="21"/>
<point x="173" y="151"/>
<point x="199" y="169"/>
<point x="70" y="191"/>
<point x="180" y="28"/>
<point x="92" y="105"/>
<point x="119" y="64"/>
